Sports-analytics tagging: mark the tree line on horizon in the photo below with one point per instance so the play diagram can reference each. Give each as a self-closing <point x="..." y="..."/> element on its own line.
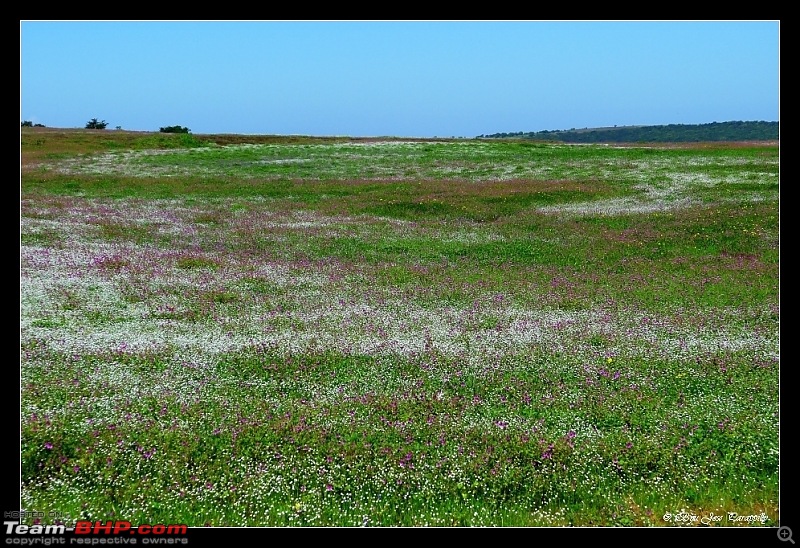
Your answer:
<point x="672" y="133"/>
<point x="94" y="123"/>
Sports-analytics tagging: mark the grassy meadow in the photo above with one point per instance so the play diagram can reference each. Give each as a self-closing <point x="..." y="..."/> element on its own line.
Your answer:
<point x="290" y="331"/>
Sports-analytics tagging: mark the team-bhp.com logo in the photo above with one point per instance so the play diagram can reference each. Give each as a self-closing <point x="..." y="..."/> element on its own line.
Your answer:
<point x="97" y="532"/>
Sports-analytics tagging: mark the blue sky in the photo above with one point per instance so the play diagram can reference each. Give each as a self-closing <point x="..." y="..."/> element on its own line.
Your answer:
<point x="397" y="78"/>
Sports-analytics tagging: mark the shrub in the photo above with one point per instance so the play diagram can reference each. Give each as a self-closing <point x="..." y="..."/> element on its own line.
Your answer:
<point x="174" y="129"/>
<point x="94" y="124"/>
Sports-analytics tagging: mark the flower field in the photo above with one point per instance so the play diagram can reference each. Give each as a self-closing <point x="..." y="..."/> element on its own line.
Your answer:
<point x="347" y="332"/>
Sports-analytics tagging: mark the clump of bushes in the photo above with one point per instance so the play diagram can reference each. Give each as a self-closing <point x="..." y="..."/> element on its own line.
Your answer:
<point x="174" y="129"/>
<point x="95" y="124"/>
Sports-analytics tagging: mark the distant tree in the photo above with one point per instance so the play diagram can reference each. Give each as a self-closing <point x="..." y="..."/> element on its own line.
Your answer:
<point x="26" y="123"/>
<point x="39" y="125"/>
<point x="94" y="124"/>
<point x="174" y="129"/>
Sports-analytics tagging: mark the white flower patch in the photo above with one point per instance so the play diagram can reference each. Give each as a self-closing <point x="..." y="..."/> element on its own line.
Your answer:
<point x="81" y="297"/>
<point x="318" y="322"/>
<point x="662" y="186"/>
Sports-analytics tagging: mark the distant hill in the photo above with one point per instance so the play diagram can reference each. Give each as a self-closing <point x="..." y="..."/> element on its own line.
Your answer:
<point x="673" y="133"/>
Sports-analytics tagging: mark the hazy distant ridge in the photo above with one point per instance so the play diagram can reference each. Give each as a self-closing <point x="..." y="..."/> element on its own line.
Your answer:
<point x="680" y="133"/>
